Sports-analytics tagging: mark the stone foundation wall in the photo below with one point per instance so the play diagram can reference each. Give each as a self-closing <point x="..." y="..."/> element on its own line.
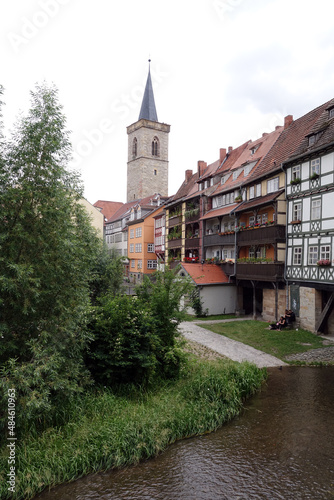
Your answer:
<point x="269" y="304"/>
<point x="310" y="307"/>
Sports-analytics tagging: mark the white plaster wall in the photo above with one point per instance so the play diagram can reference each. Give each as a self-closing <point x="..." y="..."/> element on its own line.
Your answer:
<point x="219" y="299"/>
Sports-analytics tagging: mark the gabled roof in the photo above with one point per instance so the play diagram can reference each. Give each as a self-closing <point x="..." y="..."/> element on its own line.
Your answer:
<point x="256" y="202"/>
<point x="148" y="110"/>
<point x="289" y="142"/>
<point x="219" y="212"/>
<point x="323" y="128"/>
<point x="206" y="274"/>
<point x="187" y="187"/>
<point x="108" y="208"/>
<point x="121" y="212"/>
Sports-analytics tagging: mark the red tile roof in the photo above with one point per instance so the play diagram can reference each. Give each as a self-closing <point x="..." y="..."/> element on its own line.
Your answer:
<point x="256" y="202"/>
<point x="205" y="274"/>
<point x="122" y="211"/>
<point x="108" y="208"/>
<point x="217" y="212"/>
<point x="289" y="142"/>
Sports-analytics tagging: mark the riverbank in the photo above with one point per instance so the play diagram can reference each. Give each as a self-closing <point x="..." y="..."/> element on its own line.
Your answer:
<point x="108" y="430"/>
<point x="249" y="340"/>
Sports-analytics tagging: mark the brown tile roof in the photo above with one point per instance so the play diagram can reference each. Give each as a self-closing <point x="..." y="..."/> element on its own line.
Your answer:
<point x="256" y="202"/>
<point x="289" y="142"/>
<point x="122" y="211"/>
<point x="186" y="188"/>
<point x="205" y="274"/>
<point x="217" y="212"/>
<point x="108" y="208"/>
<point x="324" y="126"/>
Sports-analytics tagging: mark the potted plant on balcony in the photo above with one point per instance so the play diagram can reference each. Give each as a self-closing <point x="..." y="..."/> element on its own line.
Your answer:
<point x="296" y="221"/>
<point x="323" y="263"/>
<point x="238" y="198"/>
<point x="295" y="181"/>
<point x="314" y="176"/>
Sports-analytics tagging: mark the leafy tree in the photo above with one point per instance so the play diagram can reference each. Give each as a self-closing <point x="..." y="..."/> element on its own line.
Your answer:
<point x="47" y="251"/>
<point x="136" y="338"/>
<point x="108" y="274"/>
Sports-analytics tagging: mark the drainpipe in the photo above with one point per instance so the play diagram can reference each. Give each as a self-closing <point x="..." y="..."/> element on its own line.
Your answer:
<point x="286" y="242"/>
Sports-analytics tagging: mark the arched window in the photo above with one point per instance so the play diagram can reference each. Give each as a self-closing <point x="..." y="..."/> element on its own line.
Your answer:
<point x="155" y="147"/>
<point x="134" y="147"/>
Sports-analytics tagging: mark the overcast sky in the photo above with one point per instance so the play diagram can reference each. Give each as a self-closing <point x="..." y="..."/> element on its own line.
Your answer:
<point x="223" y="72"/>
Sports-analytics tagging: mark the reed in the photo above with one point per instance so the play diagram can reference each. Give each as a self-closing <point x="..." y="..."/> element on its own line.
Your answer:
<point x="109" y="429"/>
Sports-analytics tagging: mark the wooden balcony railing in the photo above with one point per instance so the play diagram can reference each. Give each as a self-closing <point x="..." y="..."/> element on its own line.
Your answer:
<point x="266" y="234"/>
<point x="218" y="239"/>
<point x="261" y="271"/>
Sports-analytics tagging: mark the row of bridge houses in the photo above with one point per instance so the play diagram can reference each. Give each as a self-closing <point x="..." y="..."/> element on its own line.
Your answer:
<point x="254" y="230"/>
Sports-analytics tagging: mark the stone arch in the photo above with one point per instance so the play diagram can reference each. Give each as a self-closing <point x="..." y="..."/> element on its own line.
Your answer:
<point x="155" y="146"/>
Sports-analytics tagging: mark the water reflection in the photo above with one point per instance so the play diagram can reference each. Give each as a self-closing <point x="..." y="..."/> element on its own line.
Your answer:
<point x="281" y="447"/>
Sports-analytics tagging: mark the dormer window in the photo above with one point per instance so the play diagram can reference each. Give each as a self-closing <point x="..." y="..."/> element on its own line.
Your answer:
<point x="155" y="147"/>
<point x="312" y="139"/>
<point x="331" y="113"/>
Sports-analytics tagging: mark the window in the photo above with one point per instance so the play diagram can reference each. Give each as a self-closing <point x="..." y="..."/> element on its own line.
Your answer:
<point x="140" y="264"/>
<point x="132" y="233"/>
<point x="297" y="256"/>
<point x="331" y="113"/>
<point x="295" y="172"/>
<point x="252" y="220"/>
<point x="150" y="247"/>
<point x="155" y="147"/>
<point x="132" y="248"/>
<point x="272" y="185"/>
<point x="152" y="264"/>
<point x="138" y="247"/>
<point x="251" y="192"/>
<point x="264" y="218"/>
<point x="325" y="252"/>
<point x="138" y="232"/>
<point x="259" y="219"/>
<point x="258" y="190"/>
<point x="155" y="171"/>
<point x="313" y="138"/>
<point x="315" y="166"/>
<point x="133" y="264"/>
<point x="251" y="252"/>
<point x="297" y="211"/>
<point x="134" y="147"/>
<point x="316" y="209"/>
<point x="261" y="252"/>
<point x="312" y="255"/>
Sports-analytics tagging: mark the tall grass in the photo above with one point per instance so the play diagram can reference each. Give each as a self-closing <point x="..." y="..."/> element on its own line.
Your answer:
<point x="112" y="429"/>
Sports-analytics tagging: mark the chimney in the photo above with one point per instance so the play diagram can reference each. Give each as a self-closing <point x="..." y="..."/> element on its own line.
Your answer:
<point x="189" y="174"/>
<point x="201" y="166"/>
<point x="222" y="154"/>
<point x="287" y="121"/>
<point x="230" y="149"/>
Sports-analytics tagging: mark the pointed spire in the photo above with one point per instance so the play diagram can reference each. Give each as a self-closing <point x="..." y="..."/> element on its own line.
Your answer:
<point x="147" y="110"/>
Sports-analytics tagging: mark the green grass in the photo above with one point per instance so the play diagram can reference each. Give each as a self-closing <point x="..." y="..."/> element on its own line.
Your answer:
<point x="277" y="343"/>
<point x="108" y="430"/>
<point x="210" y="318"/>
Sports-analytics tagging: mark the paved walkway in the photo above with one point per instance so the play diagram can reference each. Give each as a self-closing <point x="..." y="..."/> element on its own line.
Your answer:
<point x="237" y="351"/>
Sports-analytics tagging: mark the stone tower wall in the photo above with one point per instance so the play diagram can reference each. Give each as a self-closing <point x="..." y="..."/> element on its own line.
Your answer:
<point x="147" y="174"/>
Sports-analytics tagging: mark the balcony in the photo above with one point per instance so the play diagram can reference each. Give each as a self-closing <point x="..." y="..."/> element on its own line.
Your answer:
<point x="192" y="243"/>
<point x="266" y="234"/>
<point x="261" y="271"/>
<point x="192" y="214"/>
<point x="176" y="243"/>
<point x="174" y="221"/>
<point x="218" y="239"/>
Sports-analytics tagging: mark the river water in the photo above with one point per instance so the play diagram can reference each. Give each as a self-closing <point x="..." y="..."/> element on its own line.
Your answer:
<point x="280" y="447"/>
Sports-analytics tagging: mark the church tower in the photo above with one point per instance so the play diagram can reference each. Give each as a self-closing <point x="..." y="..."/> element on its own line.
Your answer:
<point x="147" y="151"/>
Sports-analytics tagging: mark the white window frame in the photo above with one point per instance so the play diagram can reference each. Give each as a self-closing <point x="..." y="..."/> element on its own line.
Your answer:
<point x="133" y="264"/>
<point x="258" y="190"/>
<point x="138" y="232"/>
<point x="315" y="166"/>
<point x="132" y="234"/>
<point x="152" y="264"/>
<point x="252" y="220"/>
<point x="297" y="256"/>
<point x="295" y="172"/>
<point x="313" y="255"/>
<point x="297" y="211"/>
<point x="251" y="192"/>
<point x="273" y="185"/>
<point x="325" y="252"/>
<point x="316" y="209"/>
<point x="150" y="247"/>
<point x="132" y="247"/>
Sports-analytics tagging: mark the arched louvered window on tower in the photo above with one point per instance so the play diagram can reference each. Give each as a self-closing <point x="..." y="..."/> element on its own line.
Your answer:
<point x="155" y="147"/>
<point x="134" y="148"/>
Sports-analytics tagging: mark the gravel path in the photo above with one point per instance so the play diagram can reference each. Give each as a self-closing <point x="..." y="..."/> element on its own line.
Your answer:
<point x="238" y="351"/>
<point x="227" y="347"/>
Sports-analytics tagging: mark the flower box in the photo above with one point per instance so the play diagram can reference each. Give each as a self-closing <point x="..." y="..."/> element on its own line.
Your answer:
<point x="324" y="263"/>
